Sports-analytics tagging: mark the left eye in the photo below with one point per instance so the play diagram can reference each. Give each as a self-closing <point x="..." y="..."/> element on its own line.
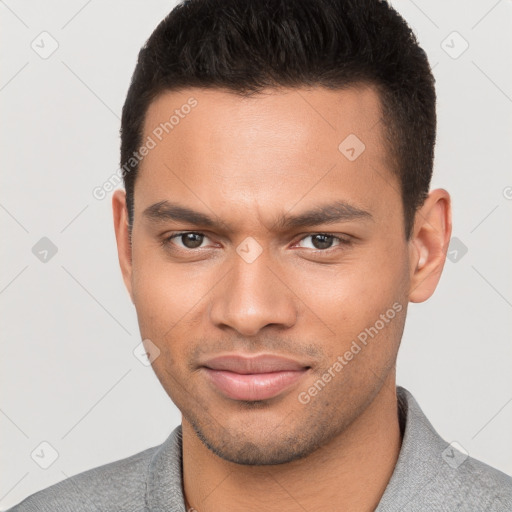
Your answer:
<point x="323" y="241"/>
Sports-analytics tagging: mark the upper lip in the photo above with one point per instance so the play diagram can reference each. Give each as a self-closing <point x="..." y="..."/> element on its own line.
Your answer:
<point x="262" y="363"/>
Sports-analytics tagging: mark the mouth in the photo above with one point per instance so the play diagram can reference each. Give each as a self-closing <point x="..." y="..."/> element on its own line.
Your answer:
<point x="253" y="378"/>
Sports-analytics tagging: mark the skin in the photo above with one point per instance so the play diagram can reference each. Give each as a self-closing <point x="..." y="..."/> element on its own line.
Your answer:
<point x="245" y="162"/>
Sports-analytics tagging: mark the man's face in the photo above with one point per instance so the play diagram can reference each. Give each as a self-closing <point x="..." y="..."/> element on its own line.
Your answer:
<point x="252" y="284"/>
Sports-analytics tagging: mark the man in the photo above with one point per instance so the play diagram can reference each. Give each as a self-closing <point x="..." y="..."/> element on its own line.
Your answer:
<point x="277" y="221"/>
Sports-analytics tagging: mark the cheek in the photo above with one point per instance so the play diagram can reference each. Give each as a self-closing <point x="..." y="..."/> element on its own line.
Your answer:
<point x="351" y="299"/>
<point x="164" y="293"/>
<point x="366" y="282"/>
<point x="165" y="296"/>
<point x="154" y="298"/>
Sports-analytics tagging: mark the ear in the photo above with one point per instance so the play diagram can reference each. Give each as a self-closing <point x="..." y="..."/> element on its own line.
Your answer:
<point x="124" y="250"/>
<point x="428" y="244"/>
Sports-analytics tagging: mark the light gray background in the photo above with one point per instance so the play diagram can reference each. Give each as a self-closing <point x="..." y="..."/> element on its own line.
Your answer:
<point x="68" y="373"/>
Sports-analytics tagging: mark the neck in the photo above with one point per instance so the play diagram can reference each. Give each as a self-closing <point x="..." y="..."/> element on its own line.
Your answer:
<point x="352" y="470"/>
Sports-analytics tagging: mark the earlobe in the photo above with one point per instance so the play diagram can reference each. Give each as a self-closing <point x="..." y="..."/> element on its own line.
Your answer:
<point x="428" y="245"/>
<point x="124" y="251"/>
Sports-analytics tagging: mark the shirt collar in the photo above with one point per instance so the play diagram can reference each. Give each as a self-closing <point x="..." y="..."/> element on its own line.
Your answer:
<point x="419" y="461"/>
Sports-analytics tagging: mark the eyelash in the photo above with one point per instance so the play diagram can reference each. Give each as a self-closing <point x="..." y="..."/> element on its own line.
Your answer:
<point x="342" y="242"/>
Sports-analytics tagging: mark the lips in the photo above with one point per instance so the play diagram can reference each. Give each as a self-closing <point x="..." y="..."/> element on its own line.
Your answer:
<point x="264" y="363"/>
<point x="253" y="378"/>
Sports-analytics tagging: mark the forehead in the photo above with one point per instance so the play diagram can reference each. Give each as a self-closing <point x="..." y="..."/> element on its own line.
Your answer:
<point x="276" y="147"/>
<point x="289" y="118"/>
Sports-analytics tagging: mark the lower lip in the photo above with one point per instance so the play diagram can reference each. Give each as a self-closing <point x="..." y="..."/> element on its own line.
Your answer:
<point x="255" y="386"/>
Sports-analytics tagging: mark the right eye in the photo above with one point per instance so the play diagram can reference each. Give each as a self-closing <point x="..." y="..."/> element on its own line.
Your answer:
<point x="189" y="240"/>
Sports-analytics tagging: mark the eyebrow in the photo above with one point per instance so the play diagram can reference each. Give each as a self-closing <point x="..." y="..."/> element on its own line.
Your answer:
<point x="337" y="211"/>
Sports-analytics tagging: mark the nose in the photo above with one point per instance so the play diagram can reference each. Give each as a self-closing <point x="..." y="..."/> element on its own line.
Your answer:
<point x="253" y="296"/>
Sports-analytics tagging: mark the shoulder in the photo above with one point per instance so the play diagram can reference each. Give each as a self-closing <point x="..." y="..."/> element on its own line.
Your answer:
<point x="118" y="485"/>
<point x="474" y="485"/>
<point x="432" y="474"/>
<point x="471" y="487"/>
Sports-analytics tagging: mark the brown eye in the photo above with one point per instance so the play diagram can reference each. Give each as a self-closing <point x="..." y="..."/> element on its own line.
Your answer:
<point x="323" y="241"/>
<point x="192" y="240"/>
<point x="188" y="240"/>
